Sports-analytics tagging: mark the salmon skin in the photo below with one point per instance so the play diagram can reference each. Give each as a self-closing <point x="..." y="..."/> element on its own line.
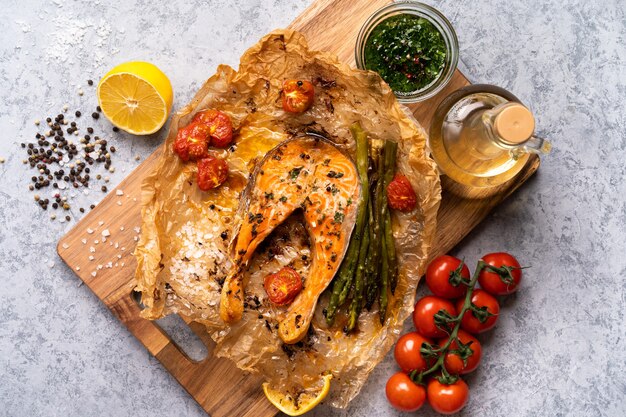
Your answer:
<point x="306" y="172"/>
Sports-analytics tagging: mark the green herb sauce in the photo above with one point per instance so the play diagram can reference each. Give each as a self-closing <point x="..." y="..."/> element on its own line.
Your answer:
<point x="407" y="51"/>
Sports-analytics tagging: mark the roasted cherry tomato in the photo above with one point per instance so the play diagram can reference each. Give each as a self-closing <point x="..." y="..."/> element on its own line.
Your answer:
<point x="297" y="95"/>
<point x="447" y="399"/>
<point x="471" y="321"/>
<point x="407" y="352"/>
<point x="404" y="394"/>
<point x="442" y="275"/>
<point x="424" y="315"/>
<point x="220" y="126"/>
<point x="192" y="141"/>
<point x="497" y="283"/>
<point x="212" y="172"/>
<point x="283" y="286"/>
<point x="400" y="194"/>
<point x="454" y="361"/>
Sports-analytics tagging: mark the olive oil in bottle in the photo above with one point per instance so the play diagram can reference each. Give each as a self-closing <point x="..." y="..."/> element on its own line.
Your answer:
<point x="482" y="136"/>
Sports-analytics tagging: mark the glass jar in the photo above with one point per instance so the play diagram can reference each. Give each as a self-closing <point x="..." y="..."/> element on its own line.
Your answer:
<point x="438" y="20"/>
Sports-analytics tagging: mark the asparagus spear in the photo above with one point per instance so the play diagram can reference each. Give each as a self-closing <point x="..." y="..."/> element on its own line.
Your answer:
<point x="346" y="274"/>
<point x="384" y="280"/>
<point x="376" y="236"/>
<point x="362" y="154"/>
<point x="391" y="150"/>
<point x="371" y="280"/>
<point x="359" y="286"/>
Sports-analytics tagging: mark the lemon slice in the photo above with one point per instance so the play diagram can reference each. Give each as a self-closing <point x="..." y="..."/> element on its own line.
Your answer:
<point x="304" y="402"/>
<point x="136" y="97"/>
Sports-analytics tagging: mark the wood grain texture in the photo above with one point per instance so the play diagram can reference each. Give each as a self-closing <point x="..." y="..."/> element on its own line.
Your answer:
<point x="106" y="265"/>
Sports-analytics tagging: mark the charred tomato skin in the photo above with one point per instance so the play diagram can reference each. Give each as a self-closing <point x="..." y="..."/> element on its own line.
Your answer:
<point x="400" y="194"/>
<point x="454" y="363"/>
<point x="212" y="172"/>
<point x="438" y="276"/>
<point x="480" y="298"/>
<point x="492" y="282"/>
<point x="404" y="394"/>
<point x="447" y="399"/>
<point x="297" y="95"/>
<point x="283" y="286"/>
<point x="424" y="315"/>
<point x="407" y="352"/>
<point x="219" y="124"/>
<point x="192" y="142"/>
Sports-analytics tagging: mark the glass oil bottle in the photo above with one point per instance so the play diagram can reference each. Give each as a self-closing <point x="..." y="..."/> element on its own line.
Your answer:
<point x="482" y="136"/>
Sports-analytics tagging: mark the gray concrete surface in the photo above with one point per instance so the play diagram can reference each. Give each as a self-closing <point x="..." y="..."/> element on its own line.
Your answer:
<point x="558" y="349"/>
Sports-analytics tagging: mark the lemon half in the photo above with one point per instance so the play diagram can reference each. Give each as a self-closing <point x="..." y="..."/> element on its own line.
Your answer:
<point x="304" y="402"/>
<point x="136" y="97"/>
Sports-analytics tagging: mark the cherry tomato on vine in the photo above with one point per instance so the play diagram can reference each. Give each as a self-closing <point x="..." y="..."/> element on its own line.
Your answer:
<point x="454" y="361"/>
<point x="447" y="399"/>
<point x="407" y="352"/>
<point x="424" y="315"/>
<point x="471" y="321"/>
<point x="404" y="394"/>
<point x="500" y="283"/>
<point x="442" y="275"/>
<point x="297" y="95"/>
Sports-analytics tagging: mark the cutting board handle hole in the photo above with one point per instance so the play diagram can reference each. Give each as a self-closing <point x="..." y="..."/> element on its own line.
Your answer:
<point x="184" y="338"/>
<point x="179" y="332"/>
<point x="136" y="296"/>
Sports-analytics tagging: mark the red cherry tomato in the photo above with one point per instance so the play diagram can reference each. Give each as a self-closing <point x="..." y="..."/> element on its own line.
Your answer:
<point x="212" y="172"/>
<point x="407" y="352"/>
<point x="283" y="286"/>
<point x="442" y="273"/>
<point x="404" y="394"/>
<point x="470" y="322"/>
<point x="400" y="194"/>
<point x="192" y="141"/>
<point x="447" y="399"/>
<point x="219" y="124"/>
<point x="424" y="315"/>
<point x="454" y="361"/>
<point x="297" y="96"/>
<point x="500" y="284"/>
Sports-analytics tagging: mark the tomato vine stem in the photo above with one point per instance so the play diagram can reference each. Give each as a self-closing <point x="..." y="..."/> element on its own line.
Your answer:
<point x="453" y="336"/>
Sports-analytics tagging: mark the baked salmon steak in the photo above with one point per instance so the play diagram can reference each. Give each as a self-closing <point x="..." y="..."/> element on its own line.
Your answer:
<point x="269" y="219"/>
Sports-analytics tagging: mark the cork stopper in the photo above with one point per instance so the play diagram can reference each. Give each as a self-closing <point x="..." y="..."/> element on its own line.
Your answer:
<point x="514" y="123"/>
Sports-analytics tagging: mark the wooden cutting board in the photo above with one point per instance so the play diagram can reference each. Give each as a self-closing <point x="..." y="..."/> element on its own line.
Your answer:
<point x="106" y="265"/>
